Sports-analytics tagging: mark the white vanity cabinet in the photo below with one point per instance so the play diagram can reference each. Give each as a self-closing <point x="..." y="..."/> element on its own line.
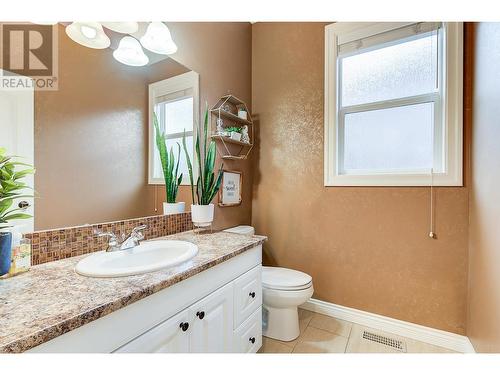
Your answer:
<point x="206" y="327"/>
<point x="215" y="311"/>
<point x="167" y="337"/>
<point x="212" y="327"/>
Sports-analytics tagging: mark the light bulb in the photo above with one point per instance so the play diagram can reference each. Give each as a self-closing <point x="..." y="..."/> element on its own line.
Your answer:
<point x="158" y="39"/>
<point x="88" y="34"/>
<point x="130" y="52"/>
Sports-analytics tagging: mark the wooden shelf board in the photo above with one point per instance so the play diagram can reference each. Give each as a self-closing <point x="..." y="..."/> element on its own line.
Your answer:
<point x="233" y="99"/>
<point x="229" y="140"/>
<point x="230" y="116"/>
<point x="231" y="157"/>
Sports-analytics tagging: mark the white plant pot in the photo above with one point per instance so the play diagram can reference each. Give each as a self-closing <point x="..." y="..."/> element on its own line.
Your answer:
<point x="173" y="208"/>
<point x="202" y="215"/>
<point x="242" y="114"/>
<point x="236" y="136"/>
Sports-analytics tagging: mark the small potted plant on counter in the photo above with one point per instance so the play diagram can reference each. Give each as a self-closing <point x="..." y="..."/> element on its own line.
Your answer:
<point x="234" y="133"/>
<point x="11" y="188"/>
<point x="170" y="170"/>
<point x="208" y="182"/>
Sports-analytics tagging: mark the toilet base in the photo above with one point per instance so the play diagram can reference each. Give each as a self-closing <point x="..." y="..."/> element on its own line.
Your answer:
<point x="281" y="323"/>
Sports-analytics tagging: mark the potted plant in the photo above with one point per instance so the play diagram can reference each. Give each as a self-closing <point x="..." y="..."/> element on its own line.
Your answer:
<point x="234" y="133"/>
<point x="242" y="113"/>
<point x="170" y="173"/>
<point x="11" y="188"/>
<point x="208" y="182"/>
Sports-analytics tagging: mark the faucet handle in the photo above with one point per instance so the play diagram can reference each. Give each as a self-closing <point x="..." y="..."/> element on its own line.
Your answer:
<point x="139" y="228"/>
<point x="137" y="231"/>
<point x="113" y="242"/>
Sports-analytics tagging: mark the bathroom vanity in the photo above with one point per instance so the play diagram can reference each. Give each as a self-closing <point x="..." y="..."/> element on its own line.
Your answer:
<point x="211" y="303"/>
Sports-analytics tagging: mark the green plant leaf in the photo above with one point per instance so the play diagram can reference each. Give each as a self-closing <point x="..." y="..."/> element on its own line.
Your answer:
<point x="167" y="159"/>
<point x="17" y="216"/>
<point x="190" y="166"/>
<point x="5" y="204"/>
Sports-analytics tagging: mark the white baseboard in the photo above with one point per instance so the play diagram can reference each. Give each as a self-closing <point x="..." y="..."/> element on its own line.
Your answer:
<point x="429" y="335"/>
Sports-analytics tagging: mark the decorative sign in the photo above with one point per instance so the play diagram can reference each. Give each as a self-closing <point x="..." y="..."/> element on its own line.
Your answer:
<point x="230" y="191"/>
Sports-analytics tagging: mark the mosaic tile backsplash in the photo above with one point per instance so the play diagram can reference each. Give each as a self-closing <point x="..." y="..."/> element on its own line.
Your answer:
<point x="51" y="245"/>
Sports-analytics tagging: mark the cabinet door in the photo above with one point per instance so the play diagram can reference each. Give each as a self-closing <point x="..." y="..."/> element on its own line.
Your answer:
<point x="211" y="320"/>
<point x="171" y="336"/>
<point x="247" y="295"/>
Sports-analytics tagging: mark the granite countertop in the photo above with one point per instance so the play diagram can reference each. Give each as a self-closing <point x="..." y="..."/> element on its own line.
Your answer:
<point x="52" y="299"/>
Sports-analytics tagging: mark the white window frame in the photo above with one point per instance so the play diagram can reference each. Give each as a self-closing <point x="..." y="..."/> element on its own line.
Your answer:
<point x="451" y="109"/>
<point x="189" y="80"/>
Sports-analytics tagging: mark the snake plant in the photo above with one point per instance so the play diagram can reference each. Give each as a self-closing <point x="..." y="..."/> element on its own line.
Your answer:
<point x="208" y="182"/>
<point x="170" y="173"/>
<point x="12" y="187"/>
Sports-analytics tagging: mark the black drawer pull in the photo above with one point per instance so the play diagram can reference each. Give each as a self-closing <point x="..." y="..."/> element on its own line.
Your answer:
<point x="200" y="314"/>
<point x="184" y="326"/>
<point x="252" y="294"/>
<point x="252" y="340"/>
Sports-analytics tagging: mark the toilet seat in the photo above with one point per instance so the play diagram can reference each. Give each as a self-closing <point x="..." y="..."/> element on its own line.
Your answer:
<point x="278" y="278"/>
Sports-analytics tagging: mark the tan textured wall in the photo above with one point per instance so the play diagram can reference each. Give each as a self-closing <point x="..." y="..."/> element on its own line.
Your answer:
<point x="221" y="52"/>
<point x="91" y="135"/>
<point x="484" y="239"/>
<point x="366" y="248"/>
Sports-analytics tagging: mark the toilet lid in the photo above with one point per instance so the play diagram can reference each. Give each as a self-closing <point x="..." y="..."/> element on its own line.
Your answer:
<point x="284" y="278"/>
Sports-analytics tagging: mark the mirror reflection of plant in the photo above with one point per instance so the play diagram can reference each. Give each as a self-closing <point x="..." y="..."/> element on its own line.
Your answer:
<point x="236" y="129"/>
<point x="208" y="182"/>
<point x="12" y="187"/>
<point x="170" y="173"/>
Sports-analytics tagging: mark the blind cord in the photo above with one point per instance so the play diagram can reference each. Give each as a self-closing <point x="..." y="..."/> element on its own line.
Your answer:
<point x="156" y="198"/>
<point x="431" y="232"/>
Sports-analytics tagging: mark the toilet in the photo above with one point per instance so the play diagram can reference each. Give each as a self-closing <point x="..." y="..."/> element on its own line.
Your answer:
<point x="283" y="290"/>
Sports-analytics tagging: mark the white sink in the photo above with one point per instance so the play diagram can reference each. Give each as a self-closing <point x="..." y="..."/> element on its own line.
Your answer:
<point x="147" y="257"/>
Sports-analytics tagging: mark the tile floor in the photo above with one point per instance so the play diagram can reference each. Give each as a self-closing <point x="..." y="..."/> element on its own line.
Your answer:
<point x="323" y="334"/>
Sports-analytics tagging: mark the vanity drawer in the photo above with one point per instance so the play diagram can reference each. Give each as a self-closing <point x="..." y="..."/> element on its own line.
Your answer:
<point x="248" y="337"/>
<point x="247" y="294"/>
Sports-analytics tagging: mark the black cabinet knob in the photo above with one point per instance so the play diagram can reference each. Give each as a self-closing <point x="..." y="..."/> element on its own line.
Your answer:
<point x="184" y="326"/>
<point x="200" y="314"/>
<point x="23" y="205"/>
<point x="252" y="340"/>
<point x="252" y="294"/>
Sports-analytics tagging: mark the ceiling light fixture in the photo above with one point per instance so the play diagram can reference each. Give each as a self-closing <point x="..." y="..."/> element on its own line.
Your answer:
<point x="130" y="52"/>
<point x="122" y="27"/>
<point x="158" y="39"/>
<point x="88" y="34"/>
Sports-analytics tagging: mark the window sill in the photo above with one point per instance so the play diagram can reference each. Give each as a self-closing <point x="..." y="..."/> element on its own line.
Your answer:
<point x="410" y="180"/>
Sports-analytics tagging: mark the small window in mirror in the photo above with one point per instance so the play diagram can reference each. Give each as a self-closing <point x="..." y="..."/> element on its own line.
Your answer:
<point x="175" y="102"/>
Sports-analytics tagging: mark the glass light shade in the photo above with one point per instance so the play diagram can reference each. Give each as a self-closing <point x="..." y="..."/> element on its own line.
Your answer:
<point x="122" y="27"/>
<point x="88" y="34"/>
<point x="158" y="39"/>
<point x="130" y="52"/>
<point x="48" y="23"/>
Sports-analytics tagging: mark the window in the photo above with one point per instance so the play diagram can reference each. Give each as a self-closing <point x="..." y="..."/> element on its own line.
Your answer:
<point x="175" y="102"/>
<point x="393" y="104"/>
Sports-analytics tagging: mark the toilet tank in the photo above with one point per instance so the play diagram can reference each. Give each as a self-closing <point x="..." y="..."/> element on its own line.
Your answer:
<point x="241" y="229"/>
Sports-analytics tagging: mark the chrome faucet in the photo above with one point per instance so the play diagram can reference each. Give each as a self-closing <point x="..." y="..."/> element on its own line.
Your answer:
<point x="134" y="239"/>
<point x="128" y="242"/>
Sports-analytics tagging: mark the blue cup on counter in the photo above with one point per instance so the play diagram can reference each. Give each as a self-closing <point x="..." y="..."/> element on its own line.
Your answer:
<point x="5" y="252"/>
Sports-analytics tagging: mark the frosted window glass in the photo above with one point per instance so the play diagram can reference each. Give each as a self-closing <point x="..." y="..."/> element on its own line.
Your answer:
<point x="179" y="116"/>
<point x="158" y="173"/>
<point x="392" y="138"/>
<point x="401" y="70"/>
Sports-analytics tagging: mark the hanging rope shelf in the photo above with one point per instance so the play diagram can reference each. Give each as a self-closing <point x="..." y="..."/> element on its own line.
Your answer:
<point x="232" y="128"/>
